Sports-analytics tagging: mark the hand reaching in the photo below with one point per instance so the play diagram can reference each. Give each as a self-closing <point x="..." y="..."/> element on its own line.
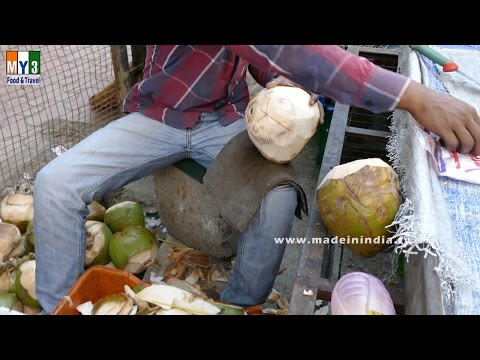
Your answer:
<point x="455" y="121"/>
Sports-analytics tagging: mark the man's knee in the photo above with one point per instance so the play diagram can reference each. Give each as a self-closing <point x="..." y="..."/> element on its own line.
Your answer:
<point x="45" y="177"/>
<point x="52" y="177"/>
<point x="282" y="198"/>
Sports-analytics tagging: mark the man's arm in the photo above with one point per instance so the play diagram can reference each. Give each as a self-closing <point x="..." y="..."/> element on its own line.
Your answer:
<point x="349" y="79"/>
<point x="331" y="71"/>
<point x="260" y="76"/>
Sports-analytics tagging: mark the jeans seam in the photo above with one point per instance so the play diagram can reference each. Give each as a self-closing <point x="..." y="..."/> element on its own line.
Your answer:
<point x="251" y="225"/>
<point x="103" y="180"/>
<point x="205" y="152"/>
<point x="189" y="142"/>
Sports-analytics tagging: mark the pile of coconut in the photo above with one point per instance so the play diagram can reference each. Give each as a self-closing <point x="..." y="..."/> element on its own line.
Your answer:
<point x="17" y="264"/>
<point x="115" y="237"/>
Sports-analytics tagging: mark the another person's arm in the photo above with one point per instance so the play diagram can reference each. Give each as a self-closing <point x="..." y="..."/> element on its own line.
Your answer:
<point x="349" y="79"/>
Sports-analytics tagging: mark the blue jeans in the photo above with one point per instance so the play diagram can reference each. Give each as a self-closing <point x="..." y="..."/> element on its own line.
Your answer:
<point x="126" y="150"/>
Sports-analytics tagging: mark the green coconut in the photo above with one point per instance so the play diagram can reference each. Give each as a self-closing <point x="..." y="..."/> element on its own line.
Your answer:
<point x="96" y="211"/>
<point x="30" y="233"/>
<point x="359" y="199"/>
<point x="98" y="242"/>
<point x="17" y="209"/>
<point x="25" y="284"/>
<point x="27" y="245"/>
<point x="10" y="301"/>
<point x="10" y="239"/>
<point x="127" y="213"/>
<point x="133" y="249"/>
<point x="31" y="310"/>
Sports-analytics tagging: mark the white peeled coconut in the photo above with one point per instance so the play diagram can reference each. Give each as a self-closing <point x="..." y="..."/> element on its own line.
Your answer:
<point x="115" y="304"/>
<point x="127" y="213"/>
<point x="280" y="121"/>
<point x="17" y="209"/>
<point x="86" y="308"/>
<point x="25" y="284"/>
<point x="359" y="199"/>
<point x="133" y="249"/>
<point x="10" y="239"/>
<point x="169" y="297"/>
<point x="98" y="242"/>
<point x="24" y="247"/>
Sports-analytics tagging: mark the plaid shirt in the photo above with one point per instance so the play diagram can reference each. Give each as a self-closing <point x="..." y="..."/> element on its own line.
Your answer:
<point x="182" y="81"/>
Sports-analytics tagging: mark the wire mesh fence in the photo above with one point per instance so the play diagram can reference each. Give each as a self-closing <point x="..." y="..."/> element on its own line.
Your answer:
<point x="77" y="95"/>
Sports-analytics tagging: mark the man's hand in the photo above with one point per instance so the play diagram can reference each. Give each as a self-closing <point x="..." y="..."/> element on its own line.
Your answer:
<point x="283" y="81"/>
<point x="455" y="121"/>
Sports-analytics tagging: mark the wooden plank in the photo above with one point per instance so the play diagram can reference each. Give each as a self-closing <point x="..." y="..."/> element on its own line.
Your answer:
<point x="138" y="55"/>
<point x="311" y="260"/>
<point x="120" y="69"/>
<point x="422" y="286"/>
<point x="138" y="63"/>
<point x="309" y="273"/>
<point x="374" y="50"/>
<point x="320" y="265"/>
<point x="366" y="132"/>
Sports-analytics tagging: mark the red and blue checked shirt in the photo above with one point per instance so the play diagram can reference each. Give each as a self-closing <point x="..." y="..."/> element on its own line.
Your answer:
<point x="182" y="81"/>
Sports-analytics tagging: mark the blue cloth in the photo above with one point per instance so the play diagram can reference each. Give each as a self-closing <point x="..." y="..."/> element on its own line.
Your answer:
<point x="463" y="198"/>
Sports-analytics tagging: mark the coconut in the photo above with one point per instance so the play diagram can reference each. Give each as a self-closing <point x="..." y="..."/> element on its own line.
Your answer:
<point x="30" y="233"/>
<point x="133" y="249"/>
<point x="124" y="214"/>
<point x="168" y="297"/>
<point x="17" y="209"/>
<point x="86" y="308"/>
<point x="31" y="310"/>
<point x="24" y="247"/>
<point x="7" y="281"/>
<point x="10" y="238"/>
<point x="25" y="284"/>
<point x="115" y="304"/>
<point x="10" y="301"/>
<point x="110" y="265"/>
<point x="359" y="199"/>
<point x="280" y="122"/>
<point x="98" y="242"/>
<point x="96" y="211"/>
